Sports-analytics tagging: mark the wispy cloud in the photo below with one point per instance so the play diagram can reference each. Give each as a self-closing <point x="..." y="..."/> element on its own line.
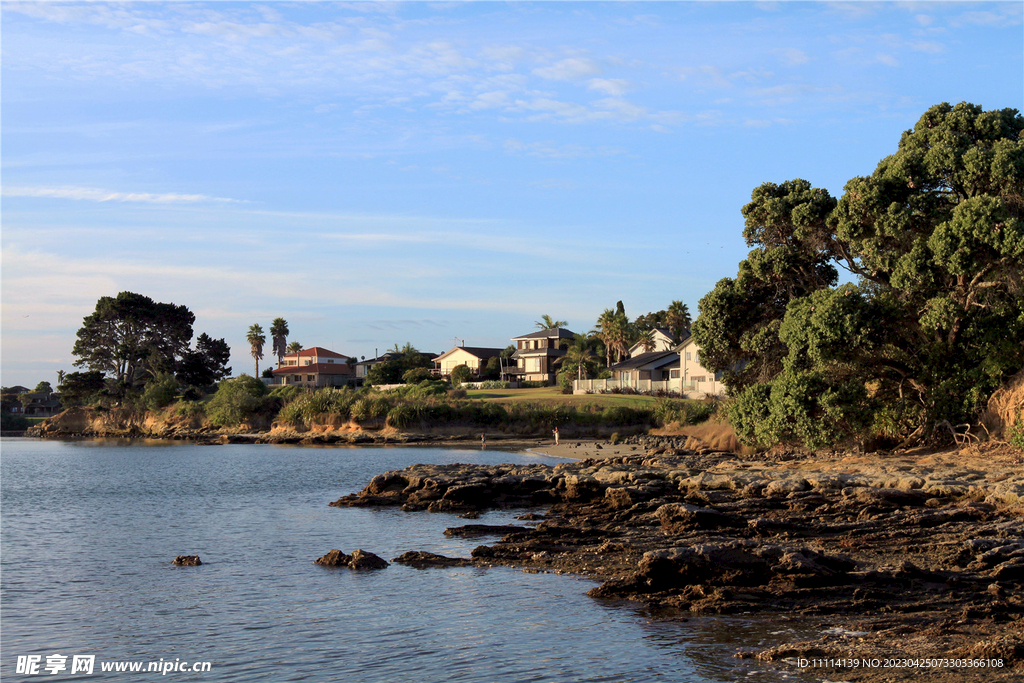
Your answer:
<point x="573" y="68"/>
<point x="97" y="195"/>
<point x="552" y="150"/>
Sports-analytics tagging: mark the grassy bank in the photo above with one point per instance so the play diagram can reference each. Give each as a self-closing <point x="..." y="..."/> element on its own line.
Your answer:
<point x="554" y="396"/>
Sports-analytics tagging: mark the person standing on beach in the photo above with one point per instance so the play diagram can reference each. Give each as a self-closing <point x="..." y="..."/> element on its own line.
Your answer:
<point x="555" y="432"/>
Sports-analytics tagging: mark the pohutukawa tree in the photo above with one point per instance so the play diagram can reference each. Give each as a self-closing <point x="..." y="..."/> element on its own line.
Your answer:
<point x="933" y="320"/>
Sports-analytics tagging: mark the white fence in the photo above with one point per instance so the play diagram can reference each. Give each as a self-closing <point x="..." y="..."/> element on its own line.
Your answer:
<point x="688" y="389"/>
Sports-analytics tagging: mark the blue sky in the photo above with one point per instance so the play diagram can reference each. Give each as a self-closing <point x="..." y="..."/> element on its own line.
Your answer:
<point x="381" y="173"/>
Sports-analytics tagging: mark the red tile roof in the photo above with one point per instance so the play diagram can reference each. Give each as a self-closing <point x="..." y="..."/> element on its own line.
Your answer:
<point x="316" y="351"/>
<point x="315" y="369"/>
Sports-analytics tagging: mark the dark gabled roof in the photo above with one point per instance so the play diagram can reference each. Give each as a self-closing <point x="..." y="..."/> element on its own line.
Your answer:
<point x="557" y="333"/>
<point x="480" y="352"/>
<point x="656" y="358"/>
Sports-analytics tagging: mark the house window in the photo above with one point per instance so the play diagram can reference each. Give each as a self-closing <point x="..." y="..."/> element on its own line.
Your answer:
<point x="535" y="365"/>
<point x="698" y="379"/>
<point x="310" y="378"/>
<point x="687" y="355"/>
<point x="330" y="360"/>
<point x="296" y="378"/>
<point x="674" y="374"/>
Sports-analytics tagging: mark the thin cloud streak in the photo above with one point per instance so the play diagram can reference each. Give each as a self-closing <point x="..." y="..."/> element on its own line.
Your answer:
<point x="97" y="195"/>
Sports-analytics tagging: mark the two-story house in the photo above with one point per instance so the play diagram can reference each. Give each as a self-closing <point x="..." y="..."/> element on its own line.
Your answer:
<point x="315" y="367"/>
<point x="538" y="355"/>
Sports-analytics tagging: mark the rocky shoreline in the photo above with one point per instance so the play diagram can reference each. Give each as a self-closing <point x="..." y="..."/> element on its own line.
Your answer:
<point x="900" y="557"/>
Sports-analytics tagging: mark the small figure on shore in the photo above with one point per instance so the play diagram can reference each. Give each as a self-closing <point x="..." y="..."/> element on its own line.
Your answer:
<point x="555" y="432"/>
<point x="483" y="441"/>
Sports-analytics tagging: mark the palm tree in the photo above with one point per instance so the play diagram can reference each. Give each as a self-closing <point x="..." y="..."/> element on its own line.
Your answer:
<point x="579" y="354"/>
<point x="294" y="347"/>
<point x="678" y="318"/>
<point x="60" y="377"/>
<point x="646" y="340"/>
<point x="604" y="330"/>
<point x="546" y="323"/>
<point x="620" y="334"/>
<point x="256" y="341"/>
<point x="279" y="338"/>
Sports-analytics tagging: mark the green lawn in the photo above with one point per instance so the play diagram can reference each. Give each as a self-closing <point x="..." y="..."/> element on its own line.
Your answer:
<point x="554" y="395"/>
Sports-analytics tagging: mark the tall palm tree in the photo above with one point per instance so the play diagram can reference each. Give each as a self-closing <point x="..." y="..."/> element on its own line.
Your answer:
<point x="256" y="340"/>
<point x="579" y="354"/>
<point x="546" y="323"/>
<point x="294" y="347"/>
<point x="620" y="334"/>
<point x="60" y="377"/>
<point x="279" y="338"/>
<point x="678" y="318"/>
<point x="604" y="332"/>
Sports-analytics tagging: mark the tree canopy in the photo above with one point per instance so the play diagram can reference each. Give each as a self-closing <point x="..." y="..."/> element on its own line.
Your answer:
<point x="399" y="362"/>
<point x="932" y="319"/>
<point x="132" y="338"/>
<point x="205" y="365"/>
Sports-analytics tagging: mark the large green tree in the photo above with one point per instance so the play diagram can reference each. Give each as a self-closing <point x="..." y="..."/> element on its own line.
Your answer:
<point x="207" y="364"/>
<point x="932" y="321"/>
<point x="132" y="338"/>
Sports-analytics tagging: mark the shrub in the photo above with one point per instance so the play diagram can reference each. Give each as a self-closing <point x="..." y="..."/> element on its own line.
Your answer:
<point x="416" y="375"/>
<point x="370" y="408"/>
<point x="160" y="392"/>
<point x="189" y="409"/>
<point x="1015" y="435"/>
<point x="460" y="373"/>
<point x="236" y="400"/>
<point x="402" y="416"/>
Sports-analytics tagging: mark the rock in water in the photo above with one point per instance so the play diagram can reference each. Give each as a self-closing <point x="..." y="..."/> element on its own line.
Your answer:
<point x="187" y="561"/>
<point x="334" y="558"/>
<point x="360" y="559"/>
<point x="422" y="560"/>
<point x="364" y="560"/>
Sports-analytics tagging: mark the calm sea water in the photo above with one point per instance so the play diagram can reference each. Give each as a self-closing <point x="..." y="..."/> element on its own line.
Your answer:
<point x="89" y="529"/>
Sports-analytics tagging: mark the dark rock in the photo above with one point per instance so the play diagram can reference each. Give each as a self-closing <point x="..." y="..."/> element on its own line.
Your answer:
<point x="683" y="517"/>
<point x="423" y="560"/>
<point x="187" y="561"/>
<point x="359" y="559"/>
<point x="477" y="530"/>
<point x="365" y="560"/>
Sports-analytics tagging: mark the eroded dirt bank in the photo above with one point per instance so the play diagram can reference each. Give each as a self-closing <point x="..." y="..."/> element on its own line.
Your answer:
<point x="902" y="558"/>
